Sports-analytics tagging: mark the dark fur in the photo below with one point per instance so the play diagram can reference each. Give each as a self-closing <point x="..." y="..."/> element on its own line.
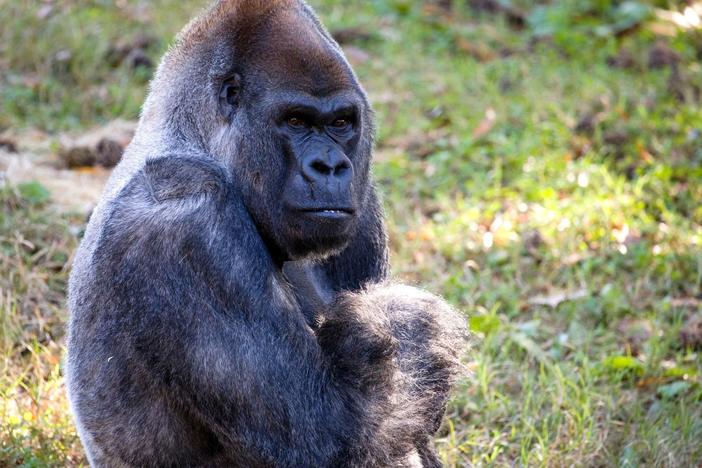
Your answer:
<point x="188" y="344"/>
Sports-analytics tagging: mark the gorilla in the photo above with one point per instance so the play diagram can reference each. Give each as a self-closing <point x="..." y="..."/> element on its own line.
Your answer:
<point x="229" y="302"/>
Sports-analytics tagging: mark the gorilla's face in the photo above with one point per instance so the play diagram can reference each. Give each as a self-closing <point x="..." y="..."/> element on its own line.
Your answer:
<point x="315" y="193"/>
<point x="302" y="148"/>
<point x="318" y="139"/>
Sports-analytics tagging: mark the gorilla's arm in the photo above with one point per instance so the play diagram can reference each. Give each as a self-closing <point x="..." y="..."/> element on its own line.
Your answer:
<point x="430" y="335"/>
<point x="186" y="309"/>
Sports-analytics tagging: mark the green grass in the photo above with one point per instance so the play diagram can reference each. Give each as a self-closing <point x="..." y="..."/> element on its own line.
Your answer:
<point x="491" y="219"/>
<point x="35" y="245"/>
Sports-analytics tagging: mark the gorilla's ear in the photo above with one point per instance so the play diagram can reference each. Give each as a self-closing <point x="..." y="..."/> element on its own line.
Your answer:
<point x="229" y="95"/>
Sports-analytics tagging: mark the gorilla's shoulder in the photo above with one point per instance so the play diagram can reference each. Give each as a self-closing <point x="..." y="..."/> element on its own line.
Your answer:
<point x="177" y="177"/>
<point x="169" y="201"/>
<point x="170" y="209"/>
<point x="174" y="192"/>
<point x="170" y="185"/>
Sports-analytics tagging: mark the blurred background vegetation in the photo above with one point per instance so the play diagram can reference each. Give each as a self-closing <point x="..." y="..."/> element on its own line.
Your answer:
<point x="541" y="165"/>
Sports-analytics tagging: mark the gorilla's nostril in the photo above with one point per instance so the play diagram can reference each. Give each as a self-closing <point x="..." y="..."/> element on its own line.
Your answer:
<point x="321" y="167"/>
<point x="341" y="169"/>
<point x="331" y="165"/>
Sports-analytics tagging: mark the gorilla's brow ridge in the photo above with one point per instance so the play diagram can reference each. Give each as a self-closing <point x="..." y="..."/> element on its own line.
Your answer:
<point x="335" y="103"/>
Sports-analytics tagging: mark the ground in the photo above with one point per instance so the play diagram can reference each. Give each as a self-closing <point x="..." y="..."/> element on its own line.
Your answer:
<point x="541" y="165"/>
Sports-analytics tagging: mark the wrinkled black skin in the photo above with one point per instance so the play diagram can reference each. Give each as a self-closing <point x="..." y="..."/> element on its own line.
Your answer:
<point x="310" y="149"/>
<point x="188" y="346"/>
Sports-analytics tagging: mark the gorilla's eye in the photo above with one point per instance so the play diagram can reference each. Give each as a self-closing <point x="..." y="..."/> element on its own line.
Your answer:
<point x="341" y="123"/>
<point x="297" y="122"/>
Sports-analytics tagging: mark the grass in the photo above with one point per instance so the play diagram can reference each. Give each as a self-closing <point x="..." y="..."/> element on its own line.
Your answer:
<point x="35" y="245"/>
<point x="554" y="198"/>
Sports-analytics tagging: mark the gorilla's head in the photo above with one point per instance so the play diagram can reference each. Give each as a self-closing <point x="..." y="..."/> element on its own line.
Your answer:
<point x="261" y="86"/>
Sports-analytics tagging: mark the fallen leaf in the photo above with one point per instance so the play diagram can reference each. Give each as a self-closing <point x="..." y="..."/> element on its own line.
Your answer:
<point x="644" y="153"/>
<point x="486" y="124"/>
<point x="574" y="258"/>
<point x="478" y="50"/>
<point x="691" y="302"/>
<point x="45" y="11"/>
<point x="652" y="380"/>
<point x="555" y="299"/>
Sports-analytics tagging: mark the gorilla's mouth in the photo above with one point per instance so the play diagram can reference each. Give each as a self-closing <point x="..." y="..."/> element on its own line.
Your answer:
<point x="317" y="231"/>
<point x="331" y="213"/>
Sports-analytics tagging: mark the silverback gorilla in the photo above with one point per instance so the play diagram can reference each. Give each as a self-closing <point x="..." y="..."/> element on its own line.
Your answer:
<point x="229" y="302"/>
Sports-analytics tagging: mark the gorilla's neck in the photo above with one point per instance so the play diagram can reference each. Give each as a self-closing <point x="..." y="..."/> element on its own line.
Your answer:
<point x="277" y="254"/>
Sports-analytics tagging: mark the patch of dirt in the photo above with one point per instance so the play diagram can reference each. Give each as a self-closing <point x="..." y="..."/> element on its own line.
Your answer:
<point x="102" y="145"/>
<point x="71" y="190"/>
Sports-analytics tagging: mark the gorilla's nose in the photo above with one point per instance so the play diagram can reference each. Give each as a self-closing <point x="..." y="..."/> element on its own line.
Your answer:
<point x="332" y="166"/>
